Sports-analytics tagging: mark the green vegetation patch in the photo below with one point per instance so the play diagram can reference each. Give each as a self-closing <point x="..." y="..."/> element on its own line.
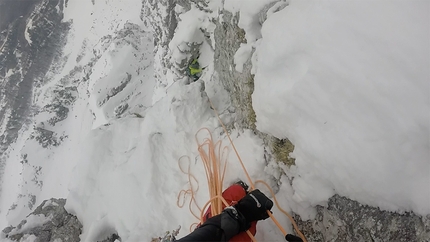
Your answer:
<point x="281" y="149"/>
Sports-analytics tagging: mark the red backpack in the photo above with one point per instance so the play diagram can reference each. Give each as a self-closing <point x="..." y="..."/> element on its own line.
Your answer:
<point x="232" y="195"/>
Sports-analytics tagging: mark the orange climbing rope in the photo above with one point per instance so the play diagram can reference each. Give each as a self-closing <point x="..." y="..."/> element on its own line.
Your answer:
<point x="214" y="158"/>
<point x="253" y="187"/>
<point x="191" y="191"/>
<point x="211" y="153"/>
<point x="213" y="164"/>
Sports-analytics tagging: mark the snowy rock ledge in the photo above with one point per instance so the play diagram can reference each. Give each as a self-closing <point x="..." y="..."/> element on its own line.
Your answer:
<point x="49" y="222"/>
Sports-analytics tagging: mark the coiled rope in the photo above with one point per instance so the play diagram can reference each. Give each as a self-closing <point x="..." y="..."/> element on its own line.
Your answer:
<point x="215" y="179"/>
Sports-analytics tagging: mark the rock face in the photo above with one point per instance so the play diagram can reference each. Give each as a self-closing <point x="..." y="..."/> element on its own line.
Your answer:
<point x="31" y="37"/>
<point x="161" y="16"/>
<point x="347" y="220"/>
<point x="240" y="85"/>
<point x="49" y="222"/>
<point x="112" y="238"/>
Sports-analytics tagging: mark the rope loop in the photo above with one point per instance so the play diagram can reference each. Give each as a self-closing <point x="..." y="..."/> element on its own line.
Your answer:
<point x="214" y="157"/>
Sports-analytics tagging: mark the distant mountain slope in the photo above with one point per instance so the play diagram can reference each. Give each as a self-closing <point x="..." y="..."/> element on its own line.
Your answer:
<point x="33" y="36"/>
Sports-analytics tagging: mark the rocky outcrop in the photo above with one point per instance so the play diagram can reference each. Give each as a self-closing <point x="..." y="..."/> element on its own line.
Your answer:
<point x="48" y="223"/>
<point x="240" y="85"/>
<point x="347" y="220"/>
<point x="161" y="16"/>
<point x="112" y="238"/>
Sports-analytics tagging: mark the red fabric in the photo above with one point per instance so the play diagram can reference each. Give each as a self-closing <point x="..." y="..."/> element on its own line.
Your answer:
<point x="232" y="195"/>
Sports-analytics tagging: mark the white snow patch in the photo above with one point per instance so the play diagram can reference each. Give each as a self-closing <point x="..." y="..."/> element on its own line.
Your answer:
<point x="28" y="238"/>
<point x="5" y="120"/>
<point x="29" y="26"/>
<point x="347" y="83"/>
<point x="50" y="203"/>
<point x="242" y="55"/>
<point x="11" y="182"/>
<point x="32" y="221"/>
<point x="137" y="159"/>
<point x="91" y="22"/>
<point x="249" y="20"/>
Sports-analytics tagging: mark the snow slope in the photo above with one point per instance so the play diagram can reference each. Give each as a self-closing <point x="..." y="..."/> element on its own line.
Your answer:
<point x="128" y="178"/>
<point x="348" y="84"/>
<point x="40" y="165"/>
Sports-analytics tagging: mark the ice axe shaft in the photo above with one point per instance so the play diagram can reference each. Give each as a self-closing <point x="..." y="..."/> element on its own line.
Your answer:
<point x="288" y="237"/>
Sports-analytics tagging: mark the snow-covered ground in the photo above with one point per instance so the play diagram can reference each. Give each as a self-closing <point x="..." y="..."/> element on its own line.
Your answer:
<point x="349" y="84"/>
<point x="346" y="82"/>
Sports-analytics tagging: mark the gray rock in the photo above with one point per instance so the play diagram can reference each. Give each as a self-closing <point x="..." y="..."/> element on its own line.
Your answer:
<point x="49" y="222"/>
<point x="240" y="85"/>
<point x="112" y="238"/>
<point x="161" y="16"/>
<point x="347" y="220"/>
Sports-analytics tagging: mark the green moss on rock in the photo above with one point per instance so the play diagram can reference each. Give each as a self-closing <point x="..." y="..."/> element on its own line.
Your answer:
<point x="281" y="149"/>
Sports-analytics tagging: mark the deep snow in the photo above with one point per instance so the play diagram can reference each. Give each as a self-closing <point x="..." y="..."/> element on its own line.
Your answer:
<point x="353" y="81"/>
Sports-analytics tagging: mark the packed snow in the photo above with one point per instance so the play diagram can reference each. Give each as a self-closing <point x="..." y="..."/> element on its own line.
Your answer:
<point x="27" y="36"/>
<point x="346" y="82"/>
<point x="353" y="81"/>
<point x="32" y="221"/>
